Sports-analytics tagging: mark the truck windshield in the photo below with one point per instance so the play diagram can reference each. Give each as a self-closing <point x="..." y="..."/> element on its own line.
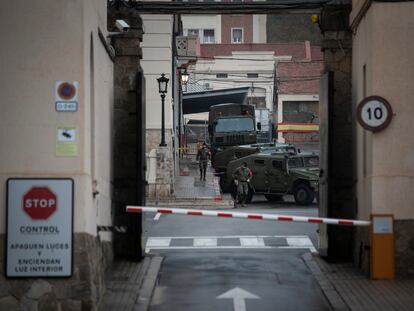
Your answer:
<point x="311" y="161"/>
<point x="295" y="162"/>
<point x="234" y="125"/>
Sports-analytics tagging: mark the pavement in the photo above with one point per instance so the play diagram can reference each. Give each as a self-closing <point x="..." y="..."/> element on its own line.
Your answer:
<point x="130" y="285"/>
<point x="191" y="192"/>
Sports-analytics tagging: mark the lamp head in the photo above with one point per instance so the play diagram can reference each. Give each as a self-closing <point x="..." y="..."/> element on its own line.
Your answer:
<point x="162" y="84"/>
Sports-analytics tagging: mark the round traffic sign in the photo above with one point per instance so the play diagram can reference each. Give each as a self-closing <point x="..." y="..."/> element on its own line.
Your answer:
<point x="374" y="113"/>
<point x="66" y="91"/>
<point x="39" y="203"/>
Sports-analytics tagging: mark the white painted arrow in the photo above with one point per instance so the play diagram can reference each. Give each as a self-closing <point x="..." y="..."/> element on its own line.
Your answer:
<point x="238" y="295"/>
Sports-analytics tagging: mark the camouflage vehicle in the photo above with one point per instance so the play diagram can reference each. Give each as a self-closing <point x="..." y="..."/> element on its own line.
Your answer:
<point x="275" y="174"/>
<point x="223" y="158"/>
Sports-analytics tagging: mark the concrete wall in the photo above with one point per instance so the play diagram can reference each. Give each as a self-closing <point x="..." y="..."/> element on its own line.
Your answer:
<point x="259" y="28"/>
<point x="157" y="59"/>
<point x="386" y="53"/>
<point x="42" y="48"/>
<point x="385" y="160"/>
<point x="292" y="27"/>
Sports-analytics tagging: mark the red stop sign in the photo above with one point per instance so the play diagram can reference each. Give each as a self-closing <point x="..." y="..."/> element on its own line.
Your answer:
<point x="39" y="203"/>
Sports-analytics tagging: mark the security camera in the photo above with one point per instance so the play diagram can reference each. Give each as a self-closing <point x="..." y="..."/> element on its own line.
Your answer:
<point x="122" y="25"/>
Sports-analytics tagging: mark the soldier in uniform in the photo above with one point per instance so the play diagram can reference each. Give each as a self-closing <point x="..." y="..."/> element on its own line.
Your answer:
<point x="241" y="179"/>
<point x="202" y="157"/>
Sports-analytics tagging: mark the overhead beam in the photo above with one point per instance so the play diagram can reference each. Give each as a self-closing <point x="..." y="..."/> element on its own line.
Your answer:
<point x="265" y="7"/>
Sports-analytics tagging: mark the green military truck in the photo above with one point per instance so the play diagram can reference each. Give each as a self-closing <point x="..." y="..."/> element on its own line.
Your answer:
<point x="223" y="158"/>
<point x="230" y="125"/>
<point x="276" y="174"/>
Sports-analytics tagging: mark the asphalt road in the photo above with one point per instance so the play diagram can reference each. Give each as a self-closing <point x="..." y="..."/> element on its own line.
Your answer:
<point x="234" y="264"/>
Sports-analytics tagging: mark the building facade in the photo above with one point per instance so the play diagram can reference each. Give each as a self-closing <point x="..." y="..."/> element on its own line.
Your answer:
<point x="382" y="65"/>
<point x="39" y="50"/>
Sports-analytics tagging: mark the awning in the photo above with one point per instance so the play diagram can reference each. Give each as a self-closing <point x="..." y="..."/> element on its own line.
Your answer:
<point x="291" y="127"/>
<point x="201" y="101"/>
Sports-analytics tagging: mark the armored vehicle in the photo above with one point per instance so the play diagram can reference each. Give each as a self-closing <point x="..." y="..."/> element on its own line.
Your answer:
<point x="222" y="159"/>
<point x="275" y="174"/>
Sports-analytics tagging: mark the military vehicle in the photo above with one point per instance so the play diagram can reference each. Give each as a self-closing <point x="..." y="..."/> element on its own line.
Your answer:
<point x="222" y="158"/>
<point x="276" y="174"/>
<point x="230" y="125"/>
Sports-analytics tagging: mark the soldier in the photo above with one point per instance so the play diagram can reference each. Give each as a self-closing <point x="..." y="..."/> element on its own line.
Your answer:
<point x="241" y="179"/>
<point x="202" y="157"/>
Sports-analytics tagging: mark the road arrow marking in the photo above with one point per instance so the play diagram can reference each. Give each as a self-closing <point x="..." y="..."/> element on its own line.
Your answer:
<point x="238" y="295"/>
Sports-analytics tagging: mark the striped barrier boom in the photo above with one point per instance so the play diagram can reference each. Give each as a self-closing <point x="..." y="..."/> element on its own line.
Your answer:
<point x="274" y="217"/>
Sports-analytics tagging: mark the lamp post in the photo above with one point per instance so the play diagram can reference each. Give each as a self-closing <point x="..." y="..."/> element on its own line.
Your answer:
<point x="184" y="79"/>
<point x="162" y="89"/>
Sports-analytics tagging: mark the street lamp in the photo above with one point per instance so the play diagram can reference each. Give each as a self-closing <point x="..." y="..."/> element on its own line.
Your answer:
<point x="184" y="77"/>
<point x="162" y="89"/>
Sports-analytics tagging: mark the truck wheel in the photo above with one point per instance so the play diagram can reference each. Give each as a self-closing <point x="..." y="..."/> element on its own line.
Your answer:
<point x="304" y="195"/>
<point x="274" y="197"/>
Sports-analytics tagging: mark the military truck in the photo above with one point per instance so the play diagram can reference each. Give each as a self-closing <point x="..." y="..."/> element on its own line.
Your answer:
<point x="230" y="125"/>
<point x="223" y="158"/>
<point x="276" y="174"/>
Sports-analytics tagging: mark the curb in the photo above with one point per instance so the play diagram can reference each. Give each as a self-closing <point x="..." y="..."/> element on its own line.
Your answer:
<point x="331" y="294"/>
<point x="148" y="285"/>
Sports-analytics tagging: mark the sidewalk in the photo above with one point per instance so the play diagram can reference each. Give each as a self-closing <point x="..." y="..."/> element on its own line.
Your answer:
<point x="131" y="284"/>
<point x="190" y="191"/>
<point x="347" y="289"/>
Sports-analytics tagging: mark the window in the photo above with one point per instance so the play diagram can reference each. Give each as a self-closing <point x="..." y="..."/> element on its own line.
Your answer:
<point x="192" y="32"/>
<point x="221" y="75"/>
<point x="237" y="35"/>
<point x="259" y="162"/>
<point x="311" y="161"/>
<point x="230" y="125"/>
<point x="208" y="36"/>
<point x="295" y="162"/>
<point x="277" y="165"/>
<point x="252" y="75"/>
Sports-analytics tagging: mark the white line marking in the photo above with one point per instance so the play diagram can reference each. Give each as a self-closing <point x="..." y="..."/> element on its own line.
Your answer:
<point x="205" y="242"/>
<point x="157" y="216"/>
<point x="302" y="242"/>
<point x="158" y="242"/>
<point x="246" y="242"/>
<point x="252" y="242"/>
<point x="230" y="236"/>
<point x="215" y="247"/>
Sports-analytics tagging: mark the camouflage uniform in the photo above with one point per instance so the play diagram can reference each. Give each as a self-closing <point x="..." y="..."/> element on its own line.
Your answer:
<point x="242" y="177"/>
<point x="202" y="157"/>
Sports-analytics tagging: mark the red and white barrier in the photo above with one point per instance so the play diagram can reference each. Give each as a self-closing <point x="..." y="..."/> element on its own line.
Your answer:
<point x="275" y="217"/>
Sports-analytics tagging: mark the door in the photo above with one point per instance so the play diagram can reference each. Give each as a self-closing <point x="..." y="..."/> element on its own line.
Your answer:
<point x="277" y="176"/>
<point x="260" y="179"/>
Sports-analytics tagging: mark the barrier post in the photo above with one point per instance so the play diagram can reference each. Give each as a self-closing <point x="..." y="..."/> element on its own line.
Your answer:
<point x="382" y="246"/>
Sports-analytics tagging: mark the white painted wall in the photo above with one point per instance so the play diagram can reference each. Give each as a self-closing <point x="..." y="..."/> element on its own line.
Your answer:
<point x="259" y="29"/>
<point x="203" y="22"/>
<point x="157" y="59"/>
<point x="385" y="160"/>
<point x="43" y="48"/>
<point x="237" y="66"/>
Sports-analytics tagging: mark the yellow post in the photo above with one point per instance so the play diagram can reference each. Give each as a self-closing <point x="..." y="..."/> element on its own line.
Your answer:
<point x="382" y="246"/>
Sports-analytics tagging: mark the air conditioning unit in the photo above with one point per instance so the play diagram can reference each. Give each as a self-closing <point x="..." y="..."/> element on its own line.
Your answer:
<point x="188" y="46"/>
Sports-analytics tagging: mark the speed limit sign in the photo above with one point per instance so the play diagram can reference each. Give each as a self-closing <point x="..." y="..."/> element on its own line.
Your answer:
<point x="374" y="113"/>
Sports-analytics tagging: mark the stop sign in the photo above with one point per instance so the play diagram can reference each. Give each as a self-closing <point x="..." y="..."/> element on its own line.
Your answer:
<point x="39" y="203"/>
